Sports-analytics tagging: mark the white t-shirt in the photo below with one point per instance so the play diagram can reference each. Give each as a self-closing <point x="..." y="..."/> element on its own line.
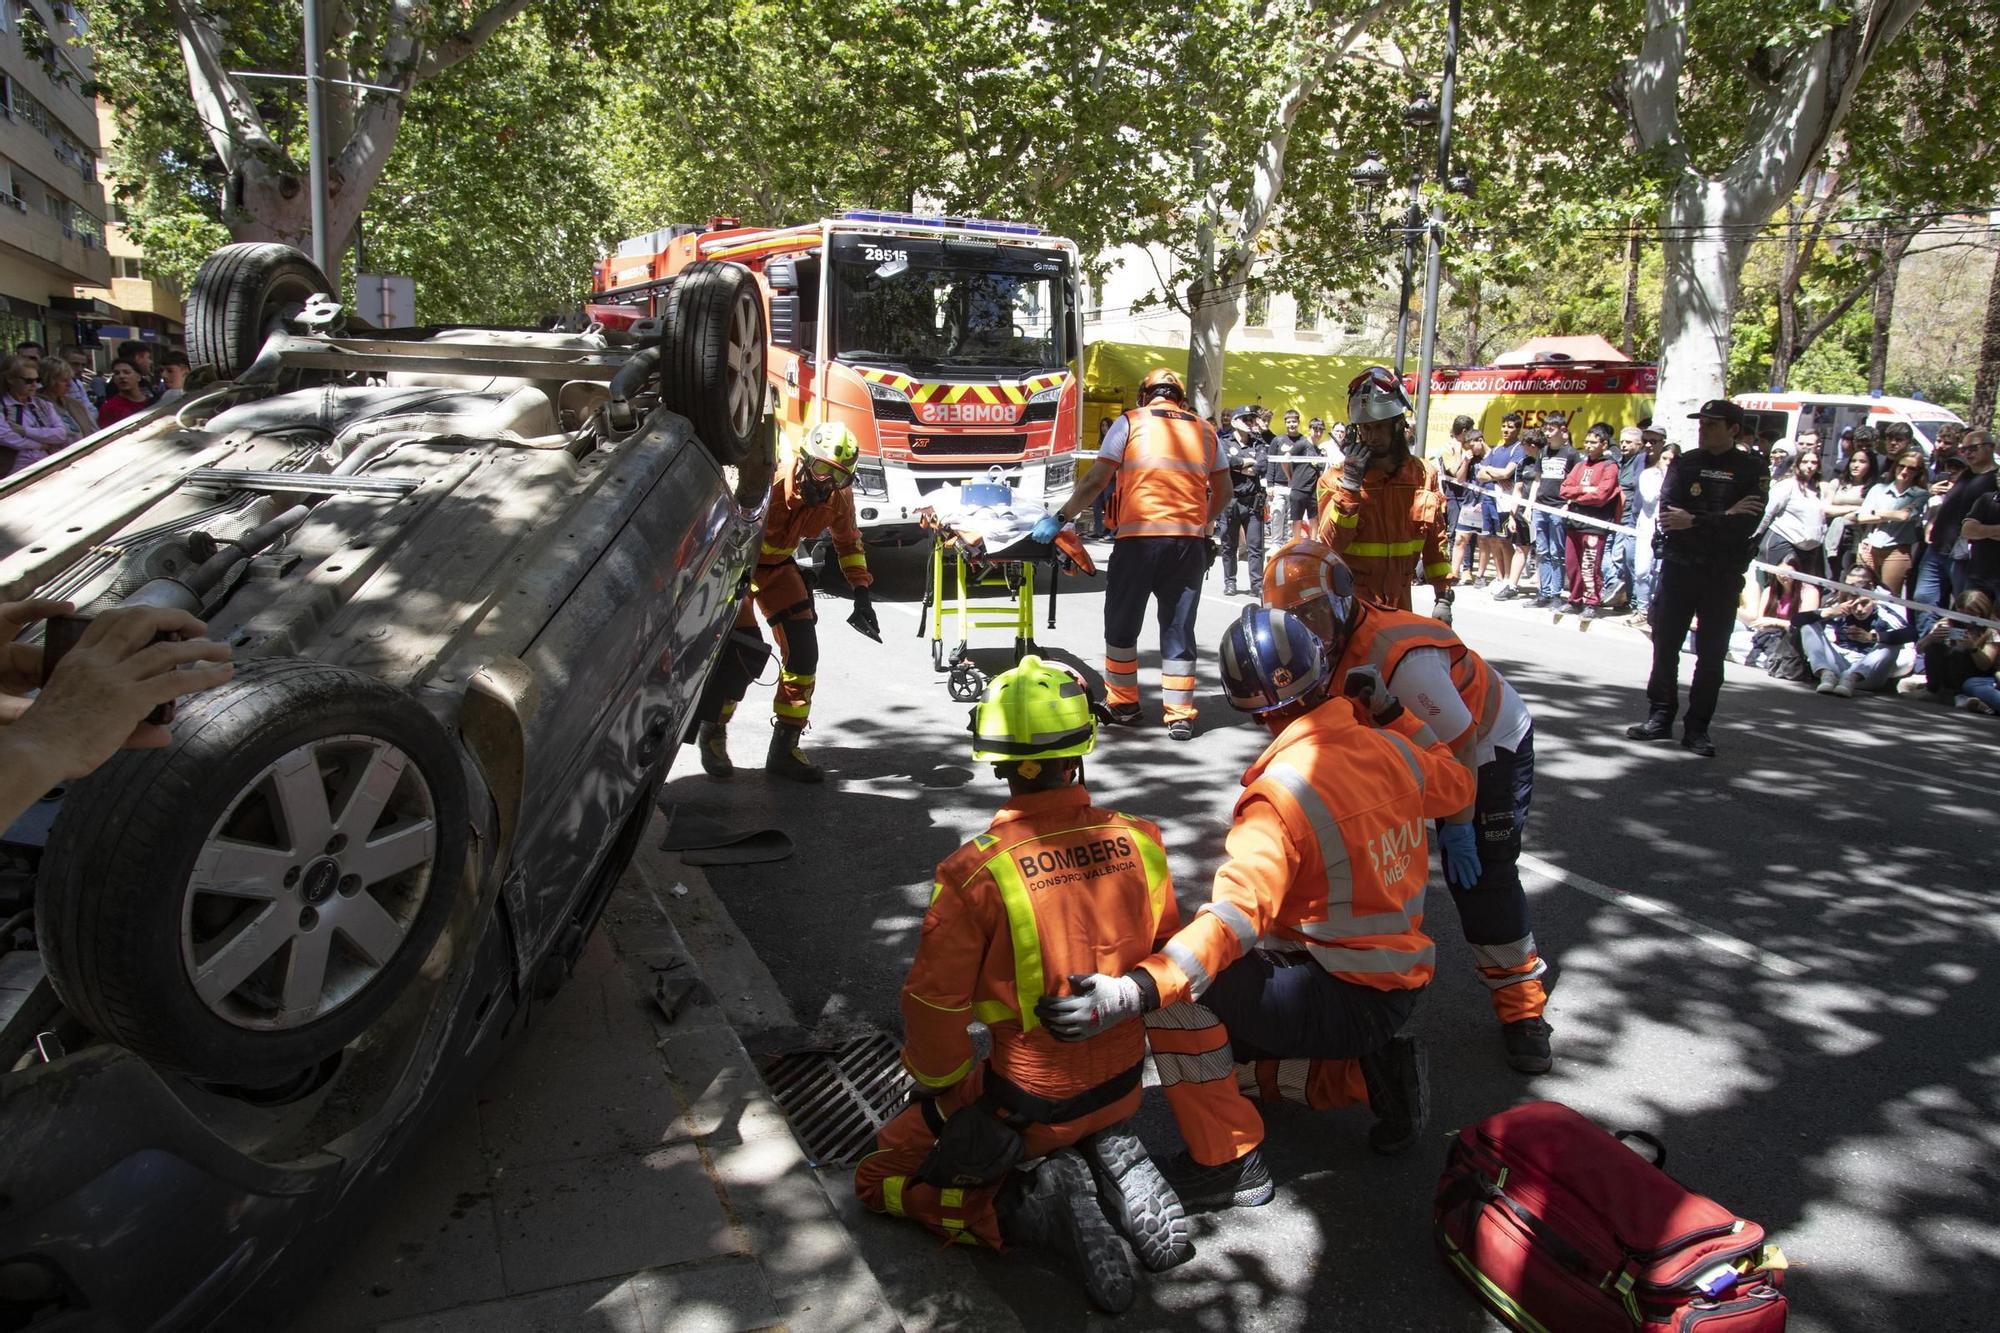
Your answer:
<point x="1423" y="683"/>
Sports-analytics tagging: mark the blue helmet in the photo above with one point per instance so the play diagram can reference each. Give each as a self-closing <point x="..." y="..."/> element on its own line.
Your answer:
<point x="1270" y="660"/>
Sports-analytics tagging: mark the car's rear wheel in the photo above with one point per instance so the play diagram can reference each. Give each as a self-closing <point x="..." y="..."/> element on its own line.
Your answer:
<point x="713" y="352"/>
<point x="242" y="294"/>
<point x="247" y="901"/>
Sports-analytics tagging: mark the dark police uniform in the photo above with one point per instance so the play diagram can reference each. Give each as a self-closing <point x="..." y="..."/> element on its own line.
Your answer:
<point x="1249" y="464"/>
<point x="1701" y="572"/>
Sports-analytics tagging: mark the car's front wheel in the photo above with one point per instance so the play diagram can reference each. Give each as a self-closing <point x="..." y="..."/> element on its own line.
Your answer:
<point x="247" y="901"/>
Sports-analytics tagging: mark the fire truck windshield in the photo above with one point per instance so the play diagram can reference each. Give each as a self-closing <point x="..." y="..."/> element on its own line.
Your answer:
<point x="931" y="305"/>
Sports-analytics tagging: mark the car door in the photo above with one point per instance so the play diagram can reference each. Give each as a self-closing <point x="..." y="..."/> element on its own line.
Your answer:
<point x="621" y="664"/>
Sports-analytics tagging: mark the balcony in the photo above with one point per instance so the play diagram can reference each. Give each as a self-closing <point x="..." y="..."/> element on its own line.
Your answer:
<point x="44" y="240"/>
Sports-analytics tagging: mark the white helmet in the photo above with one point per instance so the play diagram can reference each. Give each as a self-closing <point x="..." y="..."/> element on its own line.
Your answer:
<point x="1376" y="395"/>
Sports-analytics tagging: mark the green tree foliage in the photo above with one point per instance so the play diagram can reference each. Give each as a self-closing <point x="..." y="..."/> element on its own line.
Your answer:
<point x="491" y="200"/>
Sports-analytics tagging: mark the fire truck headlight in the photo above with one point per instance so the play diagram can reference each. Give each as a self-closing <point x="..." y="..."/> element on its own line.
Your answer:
<point x="882" y="393"/>
<point x="1061" y="472"/>
<point x="869" y="480"/>
<point x="1048" y="395"/>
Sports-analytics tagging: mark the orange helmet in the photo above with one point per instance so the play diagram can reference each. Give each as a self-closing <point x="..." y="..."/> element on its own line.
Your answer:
<point x="1306" y="578"/>
<point x="1162" y="383"/>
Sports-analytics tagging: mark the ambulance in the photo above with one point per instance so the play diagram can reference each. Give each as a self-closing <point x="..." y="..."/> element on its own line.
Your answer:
<point x="1586" y="392"/>
<point x="951" y="347"/>
<point x="1783" y="415"/>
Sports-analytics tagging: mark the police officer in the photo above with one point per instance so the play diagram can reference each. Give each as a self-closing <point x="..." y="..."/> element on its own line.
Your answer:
<point x="1710" y="504"/>
<point x="1243" y="520"/>
<point x="1172" y="484"/>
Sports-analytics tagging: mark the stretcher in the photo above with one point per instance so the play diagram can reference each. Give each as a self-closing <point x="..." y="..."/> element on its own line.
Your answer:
<point x="983" y="556"/>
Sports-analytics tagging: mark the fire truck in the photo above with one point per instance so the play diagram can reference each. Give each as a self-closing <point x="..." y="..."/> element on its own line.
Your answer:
<point x="951" y="347"/>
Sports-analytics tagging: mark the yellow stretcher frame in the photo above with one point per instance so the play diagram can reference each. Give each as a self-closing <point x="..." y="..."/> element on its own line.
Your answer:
<point x="1015" y="612"/>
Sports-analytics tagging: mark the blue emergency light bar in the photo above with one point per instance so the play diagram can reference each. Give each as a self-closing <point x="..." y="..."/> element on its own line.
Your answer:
<point x="920" y="220"/>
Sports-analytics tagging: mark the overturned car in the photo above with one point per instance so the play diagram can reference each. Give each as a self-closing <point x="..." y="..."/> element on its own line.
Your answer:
<point x="474" y="580"/>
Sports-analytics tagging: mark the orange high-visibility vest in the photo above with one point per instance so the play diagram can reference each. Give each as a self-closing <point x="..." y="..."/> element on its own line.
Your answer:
<point x="1163" y="474"/>
<point x="1054" y="887"/>
<point x="1327" y="853"/>
<point x="1383" y="635"/>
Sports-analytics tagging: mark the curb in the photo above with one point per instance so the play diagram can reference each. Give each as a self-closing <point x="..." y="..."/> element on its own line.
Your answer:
<point x="817" y="1274"/>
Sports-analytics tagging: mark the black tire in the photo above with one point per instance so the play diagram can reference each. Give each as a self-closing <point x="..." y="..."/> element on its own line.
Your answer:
<point x="713" y="353"/>
<point x="242" y="294"/>
<point x="123" y="927"/>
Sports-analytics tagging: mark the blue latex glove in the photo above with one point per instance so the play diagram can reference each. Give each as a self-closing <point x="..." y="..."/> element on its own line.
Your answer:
<point x="1460" y="848"/>
<point x="1046" y="527"/>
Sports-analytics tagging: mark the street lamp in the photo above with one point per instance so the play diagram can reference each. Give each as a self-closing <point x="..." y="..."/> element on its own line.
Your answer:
<point x="1372" y="174"/>
<point x="1370" y="177"/>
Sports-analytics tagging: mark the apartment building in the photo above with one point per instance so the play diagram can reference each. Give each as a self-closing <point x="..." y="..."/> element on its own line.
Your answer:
<point x="145" y="307"/>
<point x="52" y="209"/>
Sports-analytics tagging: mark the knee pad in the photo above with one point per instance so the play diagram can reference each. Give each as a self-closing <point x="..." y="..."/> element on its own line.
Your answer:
<point x="801" y="645"/>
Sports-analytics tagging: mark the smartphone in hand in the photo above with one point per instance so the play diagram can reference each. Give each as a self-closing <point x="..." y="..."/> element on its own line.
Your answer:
<point x="61" y="633"/>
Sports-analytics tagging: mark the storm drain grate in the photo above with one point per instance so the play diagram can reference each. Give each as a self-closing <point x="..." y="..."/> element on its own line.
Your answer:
<point x="836" y="1099"/>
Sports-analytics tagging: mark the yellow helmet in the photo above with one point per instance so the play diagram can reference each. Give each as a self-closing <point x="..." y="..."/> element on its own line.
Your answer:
<point x="1035" y="711"/>
<point x="834" y="448"/>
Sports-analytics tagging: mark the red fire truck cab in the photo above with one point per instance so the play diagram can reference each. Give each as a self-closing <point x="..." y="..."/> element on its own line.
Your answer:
<point x="951" y="347"/>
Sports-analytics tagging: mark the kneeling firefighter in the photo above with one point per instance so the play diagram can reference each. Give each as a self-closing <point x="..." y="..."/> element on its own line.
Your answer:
<point x="1310" y="954"/>
<point x="1486" y="724"/>
<point x="810" y="496"/>
<point x="1055" y="888"/>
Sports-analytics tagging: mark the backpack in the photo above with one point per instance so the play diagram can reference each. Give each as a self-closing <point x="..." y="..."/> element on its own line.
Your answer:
<point x="1779" y="652"/>
<point x="1560" y="1227"/>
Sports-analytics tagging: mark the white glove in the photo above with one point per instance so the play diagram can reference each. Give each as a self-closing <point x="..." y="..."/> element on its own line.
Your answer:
<point x="1096" y="1003"/>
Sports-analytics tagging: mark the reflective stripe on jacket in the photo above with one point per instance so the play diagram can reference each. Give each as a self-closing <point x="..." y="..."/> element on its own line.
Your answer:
<point x="1384" y="634"/>
<point x="1163" y="473"/>
<point x="1327" y="853"/>
<point x="1054" y="887"/>
<point x="1393" y="523"/>
<point x="792" y="519"/>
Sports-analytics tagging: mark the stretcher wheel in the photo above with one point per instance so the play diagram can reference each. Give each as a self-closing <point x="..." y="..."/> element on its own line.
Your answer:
<point x="967" y="683"/>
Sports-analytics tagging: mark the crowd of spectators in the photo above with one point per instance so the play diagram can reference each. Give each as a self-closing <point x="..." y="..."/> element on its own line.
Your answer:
<point x="47" y="402"/>
<point x="1869" y="509"/>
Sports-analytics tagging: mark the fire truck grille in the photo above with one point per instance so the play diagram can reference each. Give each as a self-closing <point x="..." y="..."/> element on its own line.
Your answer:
<point x="932" y="446"/>
<point x="893" y="411"/>
<point x="837" y="1099"/>
<point x="1042" y="411"/>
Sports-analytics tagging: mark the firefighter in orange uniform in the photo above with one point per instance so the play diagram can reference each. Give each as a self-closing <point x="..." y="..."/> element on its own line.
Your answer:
<point x="807" y="498"/>
<point x="1311" y="950"/>
<point x="1384" y="509"/>
<point x="1055" y="887"/>
<point x="1489" y="730"/>
<point x="1173" y="483"/>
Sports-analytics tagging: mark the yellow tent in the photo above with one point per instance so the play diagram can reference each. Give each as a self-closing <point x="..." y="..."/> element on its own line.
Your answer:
<point x="1315" y="384"/>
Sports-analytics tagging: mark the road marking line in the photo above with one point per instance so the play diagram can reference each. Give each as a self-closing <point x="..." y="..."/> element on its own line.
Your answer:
<point x="1654" y="909"/>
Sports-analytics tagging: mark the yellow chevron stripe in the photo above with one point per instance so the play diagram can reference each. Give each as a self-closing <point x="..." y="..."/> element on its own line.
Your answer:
<point x="1012" y="393"/>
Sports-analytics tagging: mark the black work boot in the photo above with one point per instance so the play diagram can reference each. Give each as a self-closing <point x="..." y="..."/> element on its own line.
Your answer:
<point x="1140" y="1202"/>
<point x="1527" y="1042"/>
<point x="1696" y="738"/>
<point x="712" y="740"/>
<point x="1658" y="726"/>
<point x="786" y="760"/>
<point x="1399" y="1093"/>
<point x="1055" y="1208"/>
<point x="1243" y="1183"/>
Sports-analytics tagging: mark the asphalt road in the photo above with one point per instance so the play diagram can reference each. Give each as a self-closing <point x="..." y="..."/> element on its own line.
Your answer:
<point x="1782" y="961"/>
